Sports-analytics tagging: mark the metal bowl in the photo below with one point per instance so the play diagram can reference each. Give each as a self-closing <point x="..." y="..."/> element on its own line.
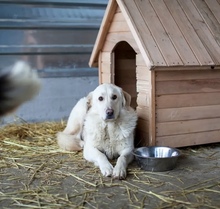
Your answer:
<point x="156" y="158"/>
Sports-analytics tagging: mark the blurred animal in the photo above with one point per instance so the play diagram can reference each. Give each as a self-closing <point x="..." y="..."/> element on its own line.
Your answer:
<point x="18" y="84"/>
<point x="106" y="123"/>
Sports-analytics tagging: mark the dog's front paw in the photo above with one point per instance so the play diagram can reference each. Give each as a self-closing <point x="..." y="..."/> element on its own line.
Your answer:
<point x="119" y="172"/>
<point x="106" y="169"/>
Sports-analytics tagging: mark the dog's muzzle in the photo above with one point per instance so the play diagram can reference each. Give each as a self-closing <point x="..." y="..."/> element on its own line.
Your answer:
<point x="109" y="114"/>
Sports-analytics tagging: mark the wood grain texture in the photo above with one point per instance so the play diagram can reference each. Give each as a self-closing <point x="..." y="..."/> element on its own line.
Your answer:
<point x="187" y="113"/>
<point x="173" y="75"/>
<point x="201" y="29"/>
<point x="141" y="33"/>
<point x="142" y="73"/>
<point x="188" y="86"/>
<point x="189" y="33"/>
<point x="187" y="100"/>
<point x="142" y="99"/>
<point x="174" y="33"/>
<point x="185" y="127"/>
<point x="214" y="7"/>
<point x="189" y="139"/>
<point x="143" y="112"/>
<point x="209" y="18"/>
<point x="113" y="38"/>
<point x="140" y="60"/>
<point x="109" y="14"/>
<point x="119" y="26"/>
<point x="167" y="33"/>
<point x="159" y="34"/>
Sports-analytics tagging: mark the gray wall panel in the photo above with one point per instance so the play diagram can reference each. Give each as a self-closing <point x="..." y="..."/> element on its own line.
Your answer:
<point x="56" y="99"/>
<point x="56" y="37"/>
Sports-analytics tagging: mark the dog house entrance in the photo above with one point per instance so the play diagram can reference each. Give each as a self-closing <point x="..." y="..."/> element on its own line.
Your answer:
<point x="125" y="70"/>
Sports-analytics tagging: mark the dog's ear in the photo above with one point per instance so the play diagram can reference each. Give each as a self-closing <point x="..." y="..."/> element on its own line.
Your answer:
<point x="126" y="102"/>
<point x="89" y="99"/>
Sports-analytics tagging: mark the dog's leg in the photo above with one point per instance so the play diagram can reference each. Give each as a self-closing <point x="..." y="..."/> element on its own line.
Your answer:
<point x="98" y="158"/>
<point x="120" y="169"/>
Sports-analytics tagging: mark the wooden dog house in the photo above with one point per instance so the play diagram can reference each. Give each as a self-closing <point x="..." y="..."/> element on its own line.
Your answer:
<point x="166" y="54"/>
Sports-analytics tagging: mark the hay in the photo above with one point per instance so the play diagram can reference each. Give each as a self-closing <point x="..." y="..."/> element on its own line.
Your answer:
<point x="35" y="173"/>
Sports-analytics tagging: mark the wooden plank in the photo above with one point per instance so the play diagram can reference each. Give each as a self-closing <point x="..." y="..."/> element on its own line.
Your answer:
<point x="106" y="77"/>
<point x="188" y="68"/>
<point x="143" y="85"/>
<point x="214" y="6"/>
<point x="109" y="14"/>
<point x="118" y="9"/>
<point x="105" y="67"/>
<point x="188" y="86"/>
<point x="174" y="33"/>
<point x="112" y="67"/>
<point x="189" y="32"/>
<point x="209" y="18"/>
<point x="142" y="99"/>
<point x="187" y="100"/>
<point x="143" y="37"/>
<point x="113" y="38"/>
<point x="202" y="30"/>
<point x="140" y="60"/>
<point x="189" y="139"/>
<point x="119" y="27"/>
<point x="186" y="75"/>
<point x="100" y="67"/>
<point x="106" y="57"/>
<point x="152" y="135"/>
<point x="184" y="127"/>
<point x="142" y="73"/>
<point x="118" y="17"/>
<point x="160" y="35"/>
<point x="143" y="112"/>
<point x="121" y="36"/>
<point x="187" y="113"/>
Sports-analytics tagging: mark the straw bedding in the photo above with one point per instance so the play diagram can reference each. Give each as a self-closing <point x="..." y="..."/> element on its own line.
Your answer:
<point x="35" y="173"/>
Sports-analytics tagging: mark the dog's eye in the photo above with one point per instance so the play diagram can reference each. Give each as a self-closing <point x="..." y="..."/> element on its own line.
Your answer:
<point x="100" y="98"/>
<point x="114" y="97"/>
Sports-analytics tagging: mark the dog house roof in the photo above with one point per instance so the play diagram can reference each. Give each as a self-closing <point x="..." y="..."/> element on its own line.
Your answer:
<point x="168" y="32"/>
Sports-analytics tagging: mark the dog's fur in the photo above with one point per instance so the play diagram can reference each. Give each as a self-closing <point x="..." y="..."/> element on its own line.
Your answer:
<point x="18" y="84"/>
<point x="106" y="122"/>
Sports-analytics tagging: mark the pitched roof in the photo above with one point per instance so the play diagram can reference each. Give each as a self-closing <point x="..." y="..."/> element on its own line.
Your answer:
<point x="169" y="32"/>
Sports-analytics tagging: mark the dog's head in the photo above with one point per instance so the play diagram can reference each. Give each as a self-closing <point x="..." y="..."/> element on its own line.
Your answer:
<point x="108" y="100"/>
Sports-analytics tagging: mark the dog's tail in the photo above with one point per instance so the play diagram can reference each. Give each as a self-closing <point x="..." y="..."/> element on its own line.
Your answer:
<point x="18" y="84"/>
<point x="70" y="138"/>
<point x="69" y="142"/>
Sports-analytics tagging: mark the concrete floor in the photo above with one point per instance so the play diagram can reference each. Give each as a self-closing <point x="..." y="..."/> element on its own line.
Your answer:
<point x="36" y="174"/>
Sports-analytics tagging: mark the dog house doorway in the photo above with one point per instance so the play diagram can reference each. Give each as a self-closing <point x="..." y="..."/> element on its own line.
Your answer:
<point x="125" y="70"/>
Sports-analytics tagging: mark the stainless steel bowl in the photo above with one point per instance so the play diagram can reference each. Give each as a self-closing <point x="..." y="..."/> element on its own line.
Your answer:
<point x="156" y="158"/>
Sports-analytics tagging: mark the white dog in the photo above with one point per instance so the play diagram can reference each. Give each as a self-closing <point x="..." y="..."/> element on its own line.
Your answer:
<point x="106" y="122"/>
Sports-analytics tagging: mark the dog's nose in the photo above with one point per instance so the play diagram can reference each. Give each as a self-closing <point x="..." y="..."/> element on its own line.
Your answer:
<point x="109" y="113"/>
